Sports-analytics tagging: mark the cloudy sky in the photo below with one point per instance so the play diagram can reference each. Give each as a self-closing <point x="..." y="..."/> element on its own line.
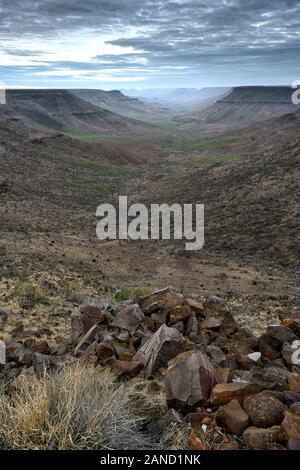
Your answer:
<point x="114" y="44"/>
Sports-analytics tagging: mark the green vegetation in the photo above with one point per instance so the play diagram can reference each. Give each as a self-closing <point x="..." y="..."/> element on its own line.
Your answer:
<point x="209" y="160"/>
<point x="193" y="142"/>
<point x="91" y="188"/>
<point x="126" y="294"/>
<point x="29" y="295"/>
<point x="106" y="137"/>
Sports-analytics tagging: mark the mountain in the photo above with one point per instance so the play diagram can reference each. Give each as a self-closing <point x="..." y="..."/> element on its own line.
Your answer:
<point x="247" y="104"/>
<point x="62" y="111"/>
<point x="115" y="101"/>
<point x="183" y="97"/>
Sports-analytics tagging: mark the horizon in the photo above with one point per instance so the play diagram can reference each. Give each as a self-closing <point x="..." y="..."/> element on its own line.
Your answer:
<point x="148" y="45"/>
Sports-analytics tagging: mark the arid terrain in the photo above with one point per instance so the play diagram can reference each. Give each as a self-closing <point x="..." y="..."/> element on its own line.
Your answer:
<point x="63" y="153"/>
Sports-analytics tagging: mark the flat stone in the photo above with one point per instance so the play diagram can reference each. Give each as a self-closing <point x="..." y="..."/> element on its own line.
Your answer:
<point x="211" y="323"/>
<point x="189" y="380"/>
<point x="225" y="392"/>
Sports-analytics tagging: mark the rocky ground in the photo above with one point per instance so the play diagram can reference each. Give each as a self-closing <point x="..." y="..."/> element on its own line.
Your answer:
<point x="219" y="386"/>
<point x="229" y="325"/>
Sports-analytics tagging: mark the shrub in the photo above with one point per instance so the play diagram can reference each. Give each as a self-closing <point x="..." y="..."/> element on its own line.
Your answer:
<point x="28" y="295"/>
<point x="75" y="408"/>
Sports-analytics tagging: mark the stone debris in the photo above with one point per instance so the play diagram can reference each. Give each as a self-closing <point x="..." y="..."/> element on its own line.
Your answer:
<point x="232" y="417"/>
<point x="189" y="380"/>
<point x="233" y="390"/>
<point x="165" y="344"/>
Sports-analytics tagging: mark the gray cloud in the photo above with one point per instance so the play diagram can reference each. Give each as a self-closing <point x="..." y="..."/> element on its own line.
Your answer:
<point x="195" y="35"/>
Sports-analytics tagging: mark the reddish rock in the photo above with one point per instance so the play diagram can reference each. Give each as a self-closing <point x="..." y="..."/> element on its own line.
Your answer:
<point x="260" y="438"/>
<point x="126" y="356"/>
<point x="211" y="323"/>
<point x="104" y="350"/>
<point x="125" y="369"/>
<point x="164" y="299"/>
<point x="268" y="347"/>
<point x="42" y="347"/>
<point x="195" y="443"/>
<point x="293" y="324"/>
<point x="264" y="409"/>
<point x="195" y="306"/>
<point x="214" y="305"/>
<point x="192" y="326"/>
<point x="90" y="316"/>
<point x="224" y="393"/>
<point x="195" y="419"/>
<point x="232" y="417"/>
<point x="291" y="427"/>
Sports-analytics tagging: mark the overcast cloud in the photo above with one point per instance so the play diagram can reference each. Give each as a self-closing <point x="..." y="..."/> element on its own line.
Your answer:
<point x="149" y="43"/>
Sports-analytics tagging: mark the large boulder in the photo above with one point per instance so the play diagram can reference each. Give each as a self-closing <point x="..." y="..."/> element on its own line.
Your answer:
<point x="158" y="350"/>
<point x="189" y="380"/>
<point x="264" y="409"/>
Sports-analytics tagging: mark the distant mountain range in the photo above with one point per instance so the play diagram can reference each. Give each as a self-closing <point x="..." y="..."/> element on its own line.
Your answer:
<point x="178" y="96"/>
<point x="119" y="103"/>
<point x="247" y="104"/>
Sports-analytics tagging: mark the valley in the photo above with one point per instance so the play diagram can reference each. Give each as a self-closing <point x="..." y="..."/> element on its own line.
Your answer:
<point x="52" y="182"/>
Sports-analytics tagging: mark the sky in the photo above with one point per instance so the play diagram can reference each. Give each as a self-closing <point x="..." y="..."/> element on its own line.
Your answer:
<point x="122" y="44"/>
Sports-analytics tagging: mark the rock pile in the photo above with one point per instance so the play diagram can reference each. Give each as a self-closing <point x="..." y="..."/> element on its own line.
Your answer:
<point x="235" y="390"/>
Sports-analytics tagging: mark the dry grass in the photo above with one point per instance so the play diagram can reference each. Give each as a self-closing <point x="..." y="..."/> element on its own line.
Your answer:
<point x="75" y="408"/>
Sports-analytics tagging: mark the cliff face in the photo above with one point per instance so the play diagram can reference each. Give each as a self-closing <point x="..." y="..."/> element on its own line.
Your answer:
<point x="246" y="105"/>
<point x="259" y="94"/>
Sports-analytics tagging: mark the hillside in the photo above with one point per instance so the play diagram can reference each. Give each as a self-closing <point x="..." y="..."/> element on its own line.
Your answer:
<point x="251" y="198"/>
<point x="246" y="105"/>
<point x="117" y="102"/>
<point x="62" y="111"/>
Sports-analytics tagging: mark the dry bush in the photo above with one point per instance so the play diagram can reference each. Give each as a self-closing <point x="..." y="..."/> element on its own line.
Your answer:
<point x="75" y="408"/>
<point x="176" y="436"/>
